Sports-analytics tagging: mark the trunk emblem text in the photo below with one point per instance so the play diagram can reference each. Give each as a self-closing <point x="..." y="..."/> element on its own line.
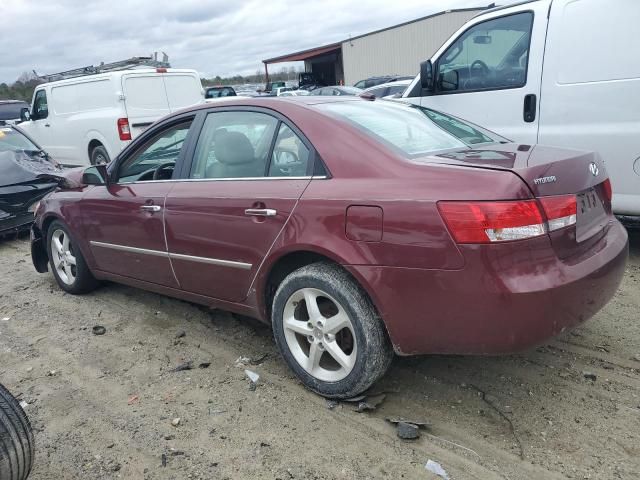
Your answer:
<point x="593" y="168"/>
<point x="541" y="180"/>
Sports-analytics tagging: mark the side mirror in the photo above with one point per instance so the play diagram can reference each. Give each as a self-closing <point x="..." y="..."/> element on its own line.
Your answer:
<point x="96" y="175"/>
<point x="449" y="81"/>
<point x="426" y="75"/>
<point x="25" y="115"/>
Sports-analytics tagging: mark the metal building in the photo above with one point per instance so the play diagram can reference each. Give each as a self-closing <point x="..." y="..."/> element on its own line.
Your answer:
<point x="396" y="50"/>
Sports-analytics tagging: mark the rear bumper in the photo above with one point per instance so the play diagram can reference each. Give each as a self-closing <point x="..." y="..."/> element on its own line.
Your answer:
<point x="506" y="299"/>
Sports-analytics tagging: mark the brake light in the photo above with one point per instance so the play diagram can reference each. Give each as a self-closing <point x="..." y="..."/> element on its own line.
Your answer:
<point x="161" y="70"/>
<point x="561" y="211"/>
<point x="488" y="222"/>
<point x="123" y="129"/>
<point x="608" y="190"/>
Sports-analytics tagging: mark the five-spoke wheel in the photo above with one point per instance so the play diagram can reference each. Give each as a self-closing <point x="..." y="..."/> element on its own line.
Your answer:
<point x="64" y="261"/>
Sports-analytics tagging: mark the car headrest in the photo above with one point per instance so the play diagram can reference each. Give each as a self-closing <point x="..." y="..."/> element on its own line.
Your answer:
<point x="234" y="148"/>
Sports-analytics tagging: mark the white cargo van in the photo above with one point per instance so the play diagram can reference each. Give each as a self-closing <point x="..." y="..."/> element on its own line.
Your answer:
<point x="558" y="72"/>
<point x="91" y="118"/>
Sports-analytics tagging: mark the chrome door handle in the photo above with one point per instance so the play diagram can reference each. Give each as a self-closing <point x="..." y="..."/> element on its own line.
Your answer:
<point x="151" y="208"/>
<point x="260" y="212"/>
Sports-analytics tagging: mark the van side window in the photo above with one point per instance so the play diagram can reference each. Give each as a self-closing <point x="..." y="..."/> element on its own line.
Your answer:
<point x="40" y="106"/>
<point x="489" y="56"/>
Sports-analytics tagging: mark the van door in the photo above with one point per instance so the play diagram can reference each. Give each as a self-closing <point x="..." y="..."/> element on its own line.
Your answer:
<point x="183" y="90"/>
<point x="490" y="72"/>
<point x="145" y="100"/>
<point x="39" y="127"/>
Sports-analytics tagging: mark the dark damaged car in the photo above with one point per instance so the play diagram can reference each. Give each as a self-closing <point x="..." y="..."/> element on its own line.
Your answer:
<point x="27" y="174"/>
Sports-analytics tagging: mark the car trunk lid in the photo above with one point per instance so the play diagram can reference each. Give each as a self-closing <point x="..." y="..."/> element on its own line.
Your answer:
<point x="548" y="172"/>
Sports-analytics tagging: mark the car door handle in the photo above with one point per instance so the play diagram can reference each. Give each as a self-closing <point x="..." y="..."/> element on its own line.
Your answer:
<point x="260" y="212"/>
<point x="529" y="112"/>
<point x="47" y="125"/>
<point x="151" y="208"/>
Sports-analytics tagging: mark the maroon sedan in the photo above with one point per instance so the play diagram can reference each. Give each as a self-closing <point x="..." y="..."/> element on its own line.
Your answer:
<point x="355" y="227"/>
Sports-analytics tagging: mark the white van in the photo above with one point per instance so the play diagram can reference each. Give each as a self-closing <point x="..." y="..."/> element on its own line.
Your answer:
<point x="558" y="72"/>
<point x="90" y="119"/>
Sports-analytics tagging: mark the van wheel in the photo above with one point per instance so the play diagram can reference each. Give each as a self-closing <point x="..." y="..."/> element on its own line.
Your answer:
<point x="67" y="263"/>
<point x="17" y="447"/>
<point x="329" y="332"/>
<point x="99" y="156"/>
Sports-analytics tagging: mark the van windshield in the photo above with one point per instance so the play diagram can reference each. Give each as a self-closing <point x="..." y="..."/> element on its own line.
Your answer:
<point x="411" y="130"/>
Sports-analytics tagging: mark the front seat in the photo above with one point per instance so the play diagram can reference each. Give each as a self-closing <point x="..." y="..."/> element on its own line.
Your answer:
<point x="235" y="157"/>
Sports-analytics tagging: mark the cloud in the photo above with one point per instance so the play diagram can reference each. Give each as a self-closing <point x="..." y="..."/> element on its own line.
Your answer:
<point x="213" y="36"/>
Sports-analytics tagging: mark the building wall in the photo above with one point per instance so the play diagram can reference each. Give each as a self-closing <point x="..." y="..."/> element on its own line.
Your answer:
<point x="399" y="51"/>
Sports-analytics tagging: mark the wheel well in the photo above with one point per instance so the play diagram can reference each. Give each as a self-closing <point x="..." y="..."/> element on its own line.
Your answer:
<point x="93" y="144"/>
<point x="283" y="267"/>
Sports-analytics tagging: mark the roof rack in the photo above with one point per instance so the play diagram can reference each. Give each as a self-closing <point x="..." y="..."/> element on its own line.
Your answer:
<point x="130" y="63"/>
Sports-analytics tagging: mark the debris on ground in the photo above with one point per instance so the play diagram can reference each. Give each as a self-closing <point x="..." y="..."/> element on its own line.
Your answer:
<point x="133" y="399"/>
<point x="51" y="373"/>
<point x="164" y="460"/>
<point x="242" y="362"/>
<point x="181" y="334"/>
<point x="370" y="403"/>
<point x="407" y="431"/>
<point x="436" y="468"/>
<point x="99" y="330"/>
<point x="23" y="404"/>
<point x="258" y="360"/>
<point x="6" y="319"/>
<point x="175" y="422"/>
<point x="253" y="376"/>
<point x="589" y="376"/>
<point x="183" y="366"/>
<point x="636" y="357"/>
<point x="204" y="365"/>
<point x="331" y="404"/>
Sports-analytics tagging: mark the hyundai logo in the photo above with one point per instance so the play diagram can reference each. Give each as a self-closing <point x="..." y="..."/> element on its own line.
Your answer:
<point x="593" y="168"/>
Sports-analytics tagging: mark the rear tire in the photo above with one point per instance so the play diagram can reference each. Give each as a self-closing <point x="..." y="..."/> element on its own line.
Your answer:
<point x="67" y="263"/>
<point x="339" y="347"/>
<point x="99" y="156"/>
<point x="17" y="446"/>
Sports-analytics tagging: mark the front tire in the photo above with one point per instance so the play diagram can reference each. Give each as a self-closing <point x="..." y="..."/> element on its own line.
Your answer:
<point x="67" y="263"/>
<point x="329" y="332"/>
<point x="17" y="447"/>
<point x="99" y="156"/>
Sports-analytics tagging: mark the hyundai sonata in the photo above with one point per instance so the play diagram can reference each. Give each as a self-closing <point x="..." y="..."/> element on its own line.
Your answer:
<point x="357" y="228"/>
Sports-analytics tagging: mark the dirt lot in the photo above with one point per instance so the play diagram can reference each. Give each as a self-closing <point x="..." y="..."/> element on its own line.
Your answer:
<point x="102" y="406"/>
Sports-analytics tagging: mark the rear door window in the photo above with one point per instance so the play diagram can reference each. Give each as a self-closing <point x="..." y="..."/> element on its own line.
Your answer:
<point x="182" y="90"/>
<point x="145" y="96"/>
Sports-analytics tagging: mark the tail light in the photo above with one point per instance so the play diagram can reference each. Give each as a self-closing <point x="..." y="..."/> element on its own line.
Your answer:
<point x="561" y="211"/>
<point x="608" y="191"/>
<point x="488" y="222"/>
<point x="123" y="129"/>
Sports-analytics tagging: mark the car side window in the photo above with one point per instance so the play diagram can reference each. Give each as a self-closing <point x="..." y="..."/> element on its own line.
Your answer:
<point x="234" y="145"/>
<point x="40" y="105"/>
<point x="490" y="55"/>
<point x="156" y="159"/>
<point x="290" y="156"/>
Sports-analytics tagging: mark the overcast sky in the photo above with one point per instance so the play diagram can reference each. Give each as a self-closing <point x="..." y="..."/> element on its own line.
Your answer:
<point x="214" y="37"/>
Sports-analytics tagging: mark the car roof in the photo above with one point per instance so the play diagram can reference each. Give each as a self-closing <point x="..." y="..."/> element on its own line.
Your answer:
<point x="390" y="84"/>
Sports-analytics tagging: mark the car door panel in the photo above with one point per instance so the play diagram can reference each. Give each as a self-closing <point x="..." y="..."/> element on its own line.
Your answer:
<point x="125" y="230"/>
<point x="216" y="247"/>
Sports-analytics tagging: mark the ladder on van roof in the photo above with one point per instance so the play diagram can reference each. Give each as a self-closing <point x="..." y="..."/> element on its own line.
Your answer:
<point x="130" y="63"/>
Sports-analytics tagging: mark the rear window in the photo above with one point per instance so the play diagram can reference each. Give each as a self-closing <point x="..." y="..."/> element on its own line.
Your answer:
<point x="183" y="90"/>
<point x="412" y="130"/>
<point x="11" y="111"/>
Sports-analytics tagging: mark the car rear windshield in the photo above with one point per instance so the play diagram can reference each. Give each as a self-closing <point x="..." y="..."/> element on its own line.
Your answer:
<point x="412" y="130"/>
<point x="11" y="141"/>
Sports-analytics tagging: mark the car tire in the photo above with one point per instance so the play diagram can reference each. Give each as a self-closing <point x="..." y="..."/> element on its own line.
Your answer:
<point x="67" y="263"/>
<point x="99" y="156"/>
<point x="17" y="446"/>
<point x="333" y="363"/>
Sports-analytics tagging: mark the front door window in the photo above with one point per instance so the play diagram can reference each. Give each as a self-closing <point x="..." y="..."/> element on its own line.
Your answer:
<point x="489" y="56"/>
<point x="40" y="106"/>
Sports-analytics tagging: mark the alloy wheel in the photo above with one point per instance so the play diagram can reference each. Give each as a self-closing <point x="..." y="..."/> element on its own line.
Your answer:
<point x="64" y="260"/>
<point x="320" y="334"/>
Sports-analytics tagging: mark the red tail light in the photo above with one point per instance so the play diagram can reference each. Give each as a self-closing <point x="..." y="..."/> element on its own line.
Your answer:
<point x="608" y="191"/>
<point x="123" y="129"/>
<point x="488" y="222"/>
<point x="561" y="211"/>
<point x="161" y="70"/>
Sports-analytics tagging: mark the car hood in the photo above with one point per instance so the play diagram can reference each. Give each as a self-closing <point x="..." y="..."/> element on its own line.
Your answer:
<point x="25" y="177"/>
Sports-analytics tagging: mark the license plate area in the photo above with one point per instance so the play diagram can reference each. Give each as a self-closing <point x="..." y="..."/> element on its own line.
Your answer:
<point x="591" y="215"/>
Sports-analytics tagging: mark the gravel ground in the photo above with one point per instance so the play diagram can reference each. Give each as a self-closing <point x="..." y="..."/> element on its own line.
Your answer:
<point x="102" y="406"/>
